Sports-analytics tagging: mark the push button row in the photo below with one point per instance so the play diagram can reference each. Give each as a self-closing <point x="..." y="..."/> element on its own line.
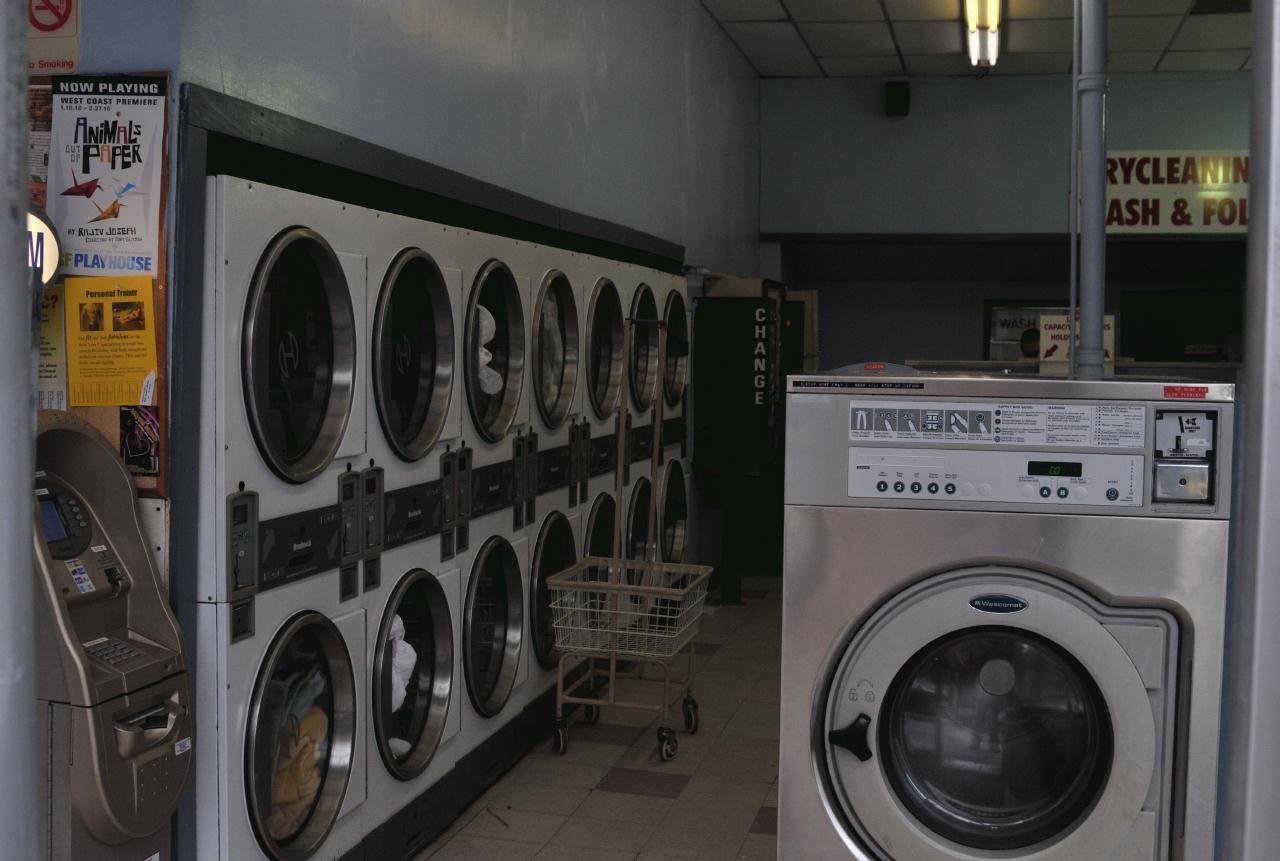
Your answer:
<point x="916" y="487"/>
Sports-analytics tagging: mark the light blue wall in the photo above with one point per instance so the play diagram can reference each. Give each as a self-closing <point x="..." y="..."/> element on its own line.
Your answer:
<point x="975" y="155"/>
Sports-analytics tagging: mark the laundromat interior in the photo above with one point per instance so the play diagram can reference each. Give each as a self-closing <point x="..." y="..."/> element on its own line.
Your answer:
<point x="637" y="430"/>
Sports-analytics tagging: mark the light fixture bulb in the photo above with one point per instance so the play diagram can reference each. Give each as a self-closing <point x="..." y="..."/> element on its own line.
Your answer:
<point x="982" y="18"/>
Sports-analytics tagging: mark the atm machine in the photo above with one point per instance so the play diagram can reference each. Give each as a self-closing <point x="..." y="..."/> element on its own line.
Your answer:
<point x="112" y="688"/>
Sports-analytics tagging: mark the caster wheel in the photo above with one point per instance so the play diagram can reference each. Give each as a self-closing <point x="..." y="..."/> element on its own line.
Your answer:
<point x="561" y="741"/>
<point x="667" y="745"/>
<point x="691" y="722"/>
<point x="591" y="715"/>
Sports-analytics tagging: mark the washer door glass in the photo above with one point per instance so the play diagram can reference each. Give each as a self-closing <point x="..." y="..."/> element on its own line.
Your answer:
<point x="600" y="527"/>
<point x="412" y="674"/>
<point x="554" y="553"/>
<point x="299" y="745"/>
<point x="676" y="373"/>
<point x="604" y="363"/>
<point x="644" y="349"/>
<point x="638" y="521"/>
<point x="494" y="626"/>
<point x="495" y="350"/>
<point x="413" y="354"/>
<point x="675" y="513"/>
<point x="298" y="354"/>
<point x="995" y="738"/>
<point x="555" y="349"/>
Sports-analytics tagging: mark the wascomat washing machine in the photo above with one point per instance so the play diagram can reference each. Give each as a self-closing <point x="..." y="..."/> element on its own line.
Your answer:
<point x="1003" y="618"/>
<point x="114" y="705"/>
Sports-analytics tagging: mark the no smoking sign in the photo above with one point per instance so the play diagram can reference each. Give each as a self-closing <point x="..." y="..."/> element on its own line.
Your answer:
<point x="53" y="36"/>
<point x="49" y="16"/>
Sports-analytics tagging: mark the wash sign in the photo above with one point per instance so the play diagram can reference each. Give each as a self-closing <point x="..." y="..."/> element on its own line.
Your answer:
<point x="1178" y="191"/>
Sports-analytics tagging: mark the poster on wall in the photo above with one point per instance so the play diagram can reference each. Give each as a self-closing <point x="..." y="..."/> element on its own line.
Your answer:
<point x="53" y="36"/>
<point x="106" y="162"/>
<point x="51" y="372"/>
<point x="111" y="341"/>
<point x="1178" y="191"/>
<point x="39" y="119"/>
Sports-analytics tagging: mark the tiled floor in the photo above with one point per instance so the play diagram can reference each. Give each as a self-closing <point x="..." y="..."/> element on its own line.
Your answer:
<point x="611" y="798"/>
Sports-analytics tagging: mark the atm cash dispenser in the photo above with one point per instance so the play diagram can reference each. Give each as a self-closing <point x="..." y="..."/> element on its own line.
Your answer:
<point x="113" y="696"/>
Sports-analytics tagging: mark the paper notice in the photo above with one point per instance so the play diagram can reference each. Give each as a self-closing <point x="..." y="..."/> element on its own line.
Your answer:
<point x="111" y="341"/>
<point x="52" y="372"/>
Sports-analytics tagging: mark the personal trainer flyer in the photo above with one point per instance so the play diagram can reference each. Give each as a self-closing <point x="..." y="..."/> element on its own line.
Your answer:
<point x="111" y="341"/>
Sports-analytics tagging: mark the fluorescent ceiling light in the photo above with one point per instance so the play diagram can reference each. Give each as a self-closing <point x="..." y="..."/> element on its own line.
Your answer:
<point x="983" y="20"/>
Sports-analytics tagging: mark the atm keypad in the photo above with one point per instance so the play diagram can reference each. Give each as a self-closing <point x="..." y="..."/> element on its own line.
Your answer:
<point x="112" y="652"/>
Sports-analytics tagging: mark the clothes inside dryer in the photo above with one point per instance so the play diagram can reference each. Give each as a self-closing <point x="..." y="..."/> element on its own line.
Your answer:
<point x="555" y="346"/>
<point x="495" y="350"/>
<point x="413" y="354"/>
<point x="555" y="552"/>
<point x="644" y="349"/>
<point x="494" y="626"/>
<point x="676" y="373"/>
<point x="298" y="354"/>
<point x="604" y="363"/>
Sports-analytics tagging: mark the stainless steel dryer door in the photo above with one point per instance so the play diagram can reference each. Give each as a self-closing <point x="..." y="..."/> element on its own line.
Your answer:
<point x="992" y="710"/>
<point x="676" y="374"/>
<point x="644" y="349"/>
<point x="494" y="348"/>
<point x="555" y="349"/>
<point x="555" y="551"/>
<point x="604" y="348"/>
<point x="673" y="512"/>
<point x="599" y="532"/>
<point x="494" y="628"/>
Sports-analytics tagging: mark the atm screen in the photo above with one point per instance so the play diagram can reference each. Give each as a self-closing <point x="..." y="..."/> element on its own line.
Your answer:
<point x="51" y="517"/>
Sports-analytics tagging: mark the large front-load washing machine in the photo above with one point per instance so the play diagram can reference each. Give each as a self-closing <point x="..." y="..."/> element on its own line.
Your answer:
<point x="1003" y="618"/>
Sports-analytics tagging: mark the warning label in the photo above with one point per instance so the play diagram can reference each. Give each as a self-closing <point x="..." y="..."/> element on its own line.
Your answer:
<point x="1029" y="424"/>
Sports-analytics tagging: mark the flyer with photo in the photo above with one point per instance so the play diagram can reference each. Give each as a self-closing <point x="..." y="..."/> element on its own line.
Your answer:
<point x="51" y="374"/>
<point x="111" y="341"/>
<point x="106" y="162"/>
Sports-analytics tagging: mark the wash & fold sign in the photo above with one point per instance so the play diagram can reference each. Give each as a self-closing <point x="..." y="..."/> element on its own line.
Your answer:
<point x="1178" y="191"/>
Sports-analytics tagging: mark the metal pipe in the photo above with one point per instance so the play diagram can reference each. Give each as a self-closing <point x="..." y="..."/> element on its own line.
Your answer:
<point x="1249" y="829"/>
<point x="20" y="740"/>
<point x="1093" y="185"/>
<point x="1073" y="202"/>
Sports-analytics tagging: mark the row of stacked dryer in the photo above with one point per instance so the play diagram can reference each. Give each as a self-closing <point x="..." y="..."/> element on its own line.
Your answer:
<point x="406" y="428"/>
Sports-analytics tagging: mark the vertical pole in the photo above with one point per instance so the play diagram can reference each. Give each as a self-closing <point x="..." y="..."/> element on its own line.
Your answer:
<point x="1249" y="829"/>
<point x="1093" y="186"/>
<point x="20" y="776"/>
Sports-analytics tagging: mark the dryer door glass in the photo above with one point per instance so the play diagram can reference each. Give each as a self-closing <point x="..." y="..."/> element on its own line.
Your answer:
<point x="638" y="521"/>
<point x="555" y="349"/>
<point x="412" y="674"/>
<point x="299" y="744"/>
<point x="494" y="626"/>
<point x="676" y="373"/>
<point x="604" y="364"/>
<point x="644" y="349"/>
<point x="413" y="354"/>
<point x="600" y="527"/>
<point x="674" y="513"/>
<point x="298" y="355"/>
<point x="555" y="552"/>
<point x="995" y="738"/>
<point x="495" y="350"/>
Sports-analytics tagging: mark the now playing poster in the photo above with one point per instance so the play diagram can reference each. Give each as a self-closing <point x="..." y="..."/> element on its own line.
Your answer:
<point x="105" y="161"/>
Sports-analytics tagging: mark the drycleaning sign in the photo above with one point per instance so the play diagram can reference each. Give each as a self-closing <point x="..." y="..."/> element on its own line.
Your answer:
<point x="1178" y="191"/>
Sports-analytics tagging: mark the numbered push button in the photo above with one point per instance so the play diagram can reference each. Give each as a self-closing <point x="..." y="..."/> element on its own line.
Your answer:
<point x="1063" y="492"/>
<point x="915" y="487"/>
<point x="899" y="487"/>
<point x="1045" y="492"/>
<point x="882" y="486"/>
<point x="933" y="487"/>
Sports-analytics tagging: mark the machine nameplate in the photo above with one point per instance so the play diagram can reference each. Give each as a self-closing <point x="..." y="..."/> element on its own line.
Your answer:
<point x="1034" y="424"/>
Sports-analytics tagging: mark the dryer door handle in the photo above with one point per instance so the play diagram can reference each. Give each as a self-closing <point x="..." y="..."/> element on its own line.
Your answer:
<point x="853" y="738"/>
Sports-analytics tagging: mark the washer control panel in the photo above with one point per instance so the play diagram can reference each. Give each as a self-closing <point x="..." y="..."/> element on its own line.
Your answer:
<point x="997" y="476"/>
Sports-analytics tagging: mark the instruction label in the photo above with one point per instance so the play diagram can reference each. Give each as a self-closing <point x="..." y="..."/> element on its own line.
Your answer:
<point x="1029" y="424"/>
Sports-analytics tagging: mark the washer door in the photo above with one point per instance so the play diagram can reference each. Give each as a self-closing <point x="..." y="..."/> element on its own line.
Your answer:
<point x="991" y="712"/>
<point x="298" y="355"/>
<point x="673" y="512"/>
<point x="300" y="737"/>
<point x="554" y="552"/>
<point x="604" y="348"/>
<point x="412" y="674"/>
<point x="638" y="520"/>
<point x="555" y="349"/>
<point x="644" y="349"/>
<point x="494" y="626"/>
<point x="599" y="532"/>
<point x="413" y="354"/>
<point x="676" y="374"/>
<point x="494" y="350"/>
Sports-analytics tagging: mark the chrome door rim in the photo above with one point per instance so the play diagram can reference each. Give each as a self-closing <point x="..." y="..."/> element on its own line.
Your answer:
<point x="514" y="634"/>
<point x="328" y="804"/>
<point x="556" y="520"/>
<point x="636" y="509"/>
<point x="673" y="477"/>
<point x="442" y="386"/>
<point x="424" y="748"/>
<point x="513" y="383"/>
<point x="674" y="390"/>
<point x="644" y="307"/>
<point x="555" y="413"/>
<point x="593" y="517"/>
<point x="603" y="407"/>
<point x="342" y="375"/>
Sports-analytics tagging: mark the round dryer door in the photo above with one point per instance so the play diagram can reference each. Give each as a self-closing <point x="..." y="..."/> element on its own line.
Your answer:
<point x="673" y="512"/>
<point x="599" y="540"/>
<point x="638" y="520"/>
<point x="494" y="626"/>
<point x="676" y="374"/>
<point x="555" y="349"/>
<point x="644" y="349"/>
<point x="604" y="348"/>
<point x="298" y="355"/>
<point x="991" y="712"/>
<point x="301" y="730"/>
<point x="494" y="350"/>
<point x="412" y="674"/>
<point x="413" y="354"/>
<point x="555" y="551"/>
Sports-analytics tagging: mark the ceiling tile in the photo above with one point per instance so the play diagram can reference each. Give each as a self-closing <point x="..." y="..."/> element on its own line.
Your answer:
<point x="1203" y="61"/>
<point x="1148" y="7"/>
<point x="1133" y="61"/>
<point x="1038" y="37"/>
<point x="1033" y="64"/>
<point x="768" y="41"/>
<point x="746" y="10"/>
<point x="930" y="37"/>
<point x="848" y="40"/>
<point x="1024" y="9"/>
<point x="861" y="67"/>
<point x="1248" y="66"/>
<point x="939" y="64"/>
<point x="835" y="10"/>
<point x="1214" y="33"/>
<point x="1150" y="33"/>
<point x="924" y="10"/>
<point x="788" y="67"/>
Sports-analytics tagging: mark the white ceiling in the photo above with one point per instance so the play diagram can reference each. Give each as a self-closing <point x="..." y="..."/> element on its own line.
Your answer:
<point x="890" y="38"/>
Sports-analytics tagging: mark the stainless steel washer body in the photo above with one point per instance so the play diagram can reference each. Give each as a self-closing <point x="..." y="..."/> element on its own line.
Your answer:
<point x="1002" y="639"/>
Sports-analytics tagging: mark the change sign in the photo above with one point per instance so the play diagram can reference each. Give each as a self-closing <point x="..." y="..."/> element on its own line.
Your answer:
<point x="1178" y="191"/>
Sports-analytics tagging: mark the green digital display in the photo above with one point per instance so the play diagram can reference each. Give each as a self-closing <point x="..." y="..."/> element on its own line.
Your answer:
<point x="1055" y="469"/>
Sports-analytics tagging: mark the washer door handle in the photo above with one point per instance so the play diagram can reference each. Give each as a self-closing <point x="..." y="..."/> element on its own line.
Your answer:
<point x="853" y="738"/>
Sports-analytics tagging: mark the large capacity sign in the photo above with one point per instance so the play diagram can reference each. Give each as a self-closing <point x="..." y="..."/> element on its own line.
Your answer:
<point x="1178" y="191"/>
